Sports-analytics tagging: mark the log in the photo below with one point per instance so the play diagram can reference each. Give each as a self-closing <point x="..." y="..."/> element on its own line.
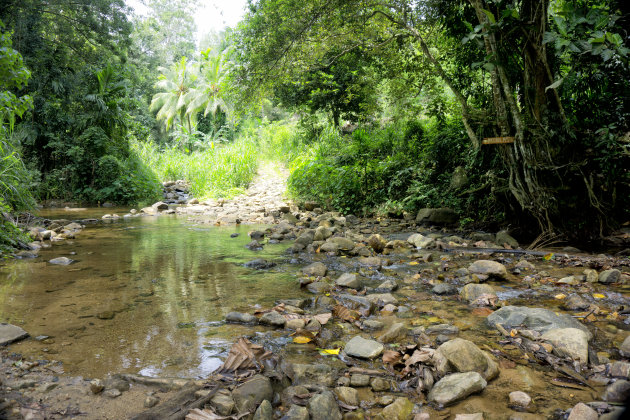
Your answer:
<point x="177" y="407"/>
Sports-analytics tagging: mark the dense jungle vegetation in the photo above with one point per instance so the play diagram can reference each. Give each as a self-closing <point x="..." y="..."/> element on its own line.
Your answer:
<point x="375" y="106"/>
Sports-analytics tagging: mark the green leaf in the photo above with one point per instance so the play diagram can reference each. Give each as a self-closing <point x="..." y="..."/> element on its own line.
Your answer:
<point x="490" y="15"/>
<point x="555" y="84"/>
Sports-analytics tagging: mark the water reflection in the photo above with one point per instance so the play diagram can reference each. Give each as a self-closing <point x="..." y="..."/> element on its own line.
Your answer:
<point x="143" y="296"/>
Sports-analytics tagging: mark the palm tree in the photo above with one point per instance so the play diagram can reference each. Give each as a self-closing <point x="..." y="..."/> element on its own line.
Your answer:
<point x="177" y="85"/>
<point x="210" y="94"/>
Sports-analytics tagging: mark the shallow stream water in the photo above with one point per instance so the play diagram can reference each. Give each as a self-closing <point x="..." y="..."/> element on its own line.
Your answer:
<point x="147" y="295"/>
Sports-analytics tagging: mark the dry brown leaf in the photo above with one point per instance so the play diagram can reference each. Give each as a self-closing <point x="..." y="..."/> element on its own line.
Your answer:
<point x="322" y="318"/>
<point x="244" y="355"/>
<point x="301" y="332"/>
<point x="208" y="414"/>
<point x="418" y="356"/>
<point x="345" y="313"/>
<point x="486" y="299"/>
<point x="391" y="357"/>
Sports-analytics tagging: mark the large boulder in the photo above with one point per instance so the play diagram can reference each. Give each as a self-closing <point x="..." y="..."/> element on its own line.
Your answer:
<point x="324" y="407"/>
<point x="461" y="355"/>
<point x="315" y="269"/>
<point x="455" y="387"/>
<point x="569" y="342"/>
<point x="441" y="216"/>
<point x="349" y="280"/>
<point x="320" y="374"/>
<point x="538" y="319"/>
<point x="253" y="392"/>
<point x="504" y="238"/>
<point x="610" y="276"/>
<point x="488" y="268"/>
<point x="362" y="348"/>
<point x="420" y="241"/>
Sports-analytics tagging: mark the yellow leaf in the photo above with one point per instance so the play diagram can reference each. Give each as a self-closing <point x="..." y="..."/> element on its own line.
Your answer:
<point x="434" y="320"/>
<point x="513" y="333"/>
<point x="302" y="340"/>
<point x="560" y="296"/>
<point x="547" y="257"/>
<point x="327" y="294"/>
<point x="414" y="263"/>
<point x="325" y="352"/>
<point x="598" y="296"/>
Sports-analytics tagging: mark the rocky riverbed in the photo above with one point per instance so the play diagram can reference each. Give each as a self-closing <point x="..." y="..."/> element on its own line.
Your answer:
<point x="406" y="319"/>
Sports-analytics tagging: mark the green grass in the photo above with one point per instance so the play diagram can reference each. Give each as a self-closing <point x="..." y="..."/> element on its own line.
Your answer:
<point x="221" y="171"/>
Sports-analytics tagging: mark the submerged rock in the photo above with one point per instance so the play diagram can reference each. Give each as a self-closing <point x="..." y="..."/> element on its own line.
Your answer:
<point x="488" y="268"/>
<point x="273" y="319"/>
<point x="241" y="318"/>
<point x="324" y="407"/>
<point x="537" y="319"/>
<point x="582" y="411"/>
<point x="400" y="409"/>
<point x="568" y="342"/>
<point x="253" y="392"/>
<point x="316" y="269"/>
<point x="472" y="291"/>
<point x="61" y="261"/>
<point x="610" y="276"/>
<point x="455" y="387"/>
<point x="319" y="374"/>
<point x="260" y="264"/>
<point x="462" y="355"/>
<point x="349" y="280"/>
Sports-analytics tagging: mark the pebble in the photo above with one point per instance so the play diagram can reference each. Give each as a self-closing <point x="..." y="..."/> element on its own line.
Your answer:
<point x="582" y="411"/>
<point x="519" y="399"/>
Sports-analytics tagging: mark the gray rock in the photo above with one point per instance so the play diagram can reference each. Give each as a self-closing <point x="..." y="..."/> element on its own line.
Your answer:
<point x="253" y="392"/>
<point x="618" y="391"/>
<point x="444" y="289"/>
<point x="223" y="402"/>
<point x="582" y="411"/>
<point x="296" y="412"/>
<point x="377" y="243"/>
<point x="273" y="319"/>
<point x="610" y="276"/>
<point x="400" y="409"/>
<point x="96" y="386"/>
<point x="329" y="248"/>
<point x="503" y="237"/>
<point x="316" y="269"/>
<point x="372" y="324"/>
<point x="474" y="416"/>
<point x="472" y="291"/>
<point x="624" y="348"/>
<point x="575" y="302"/>
<point x="461" y="355"/>
<point x="61" y="261"/>
<point x="112" y="393"/>
<point x="620" y="370"/>
<point x="359" y="380"/>
<point x="10" y="333"/>
<point x="362" y="348"/>
<point x="441" y="216"/>
<point x="420" y="241"/>
<point x="387" y="286"/>
<point x="537" y="319"/>
<point x="525" y="265"/>
<point x="382" y="299"/>
<point x="455" y="387"/>
<point x="264" y="411"/>
<point x="160" y="206"/>
<point x="519" y="399"/>
<point x="488" y="268"/>
<point x="397" y="331"/>
<point x="347" y="395"/>
<point x="380" y="384"/>
<point x="259" y="264"/>
<point x="344" y="244"/>
<point x="442" y="329"/>
<point x="117" y="383"/>
<point x="349" y="280"/>
<point x="324" y="407"/>
<point x="319" y="374"/>
<point x="254" y="245"/>
<point x="568" y="342"/>
<point x="151" y="401"/>
<point x="591" y="276"/>
<point x="241" y="318"/>
<point x="459" y="179"/>
<point x="319" y="287"/>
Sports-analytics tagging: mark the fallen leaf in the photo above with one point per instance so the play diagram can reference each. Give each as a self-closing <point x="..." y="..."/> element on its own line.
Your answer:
<point x="481" y="311"/>
<point x="345" y="313"/>
<point x="598" y="296"/>
<point x="414" y="263"/>
<point x="302" y="340"/>
<point x="547" y="257"/>
<point x="323" y="318"/>
<point x="560" y="296"/>
<point x="513" y="333"/>
<point x="244" y="355"/>
<point x="327" y="352"/>
<point x="418" y="356"/>
<point x="391" y="356"/>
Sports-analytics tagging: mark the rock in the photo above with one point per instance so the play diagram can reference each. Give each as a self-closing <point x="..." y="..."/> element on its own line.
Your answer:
<point x="322" y="233"/>
<point x="582" y="411"/>
<point x="160" y="206"/>
<point x="569" y="280"/>
<point x="620" y="370"/>
<point x="525" y="265"/>
<point x="347" y="395"/>
<point x="324" y="407"/>
<point x="254" y="245"/>
<point x="575" y="302"/>
<point x="474" y="416"/>
<point x="316" y="269"/>
<point x="310" y="205"/>
<point x="459" y="179"/>
<point x="359" y="380"/>
<point x="290" y="218"/>
<point x="295" y="324"/>
<point x="382" y="299"/>
<point x="329" y="248"/>
<point x="538" y="319"/>
<point x="10" y="333"/>
<point x="503" y="237"/>
<point x="349" y="280"/>
<point x="372" y="324"/>
<point x="273" y="319"/>
<point x="618" y="391"/>
<point x="296" y="412"/>
<point x="117" y="383"/>
<point x="320" y="374"/>
<point x="259" y="264"/>
<point x="319" y="287"/>
<point x="420" y="241"/>
<point x="344" y="244"/>
<point x="568" y="342"/>
<point x="362" y="348"/>
<point x="105" y="315"/>
<point x="444" y="289"/>
<point x="488" y="268"/>
<point x="442" y="329"/>
<point x="61" y="261"/>
<point x="441" y="216"/>
<point x="519" y="399"/>
<point x="400" y="409"/>
<point x="305" y="239"/>
<point x="624" y="348"/>
<point x="472" y="291"/>
<point x="257" y="234"/>
<point x="387" y="286"/>
<point x="223" y="402"/>
<point x="112" y="393"/>
<point x="264" y="411"/>
<point x="151" y="401"/>
<point x="396" y="332"/>
<point x="461" y="355"/>
<point x="455" y="387"/>
<point x="241" y="318"/>
<point x="591" y="276"/>
<point x="380" y="384"/>
<point x="610" y="276"/>
<point x="377" y="243"/>
<point x="370" y="262"/>
<point x="250" y="394"/>
<point x="96" y="386"/>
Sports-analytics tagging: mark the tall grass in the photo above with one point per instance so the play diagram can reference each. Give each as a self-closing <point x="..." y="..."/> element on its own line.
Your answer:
<point x="221" y="171"/>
